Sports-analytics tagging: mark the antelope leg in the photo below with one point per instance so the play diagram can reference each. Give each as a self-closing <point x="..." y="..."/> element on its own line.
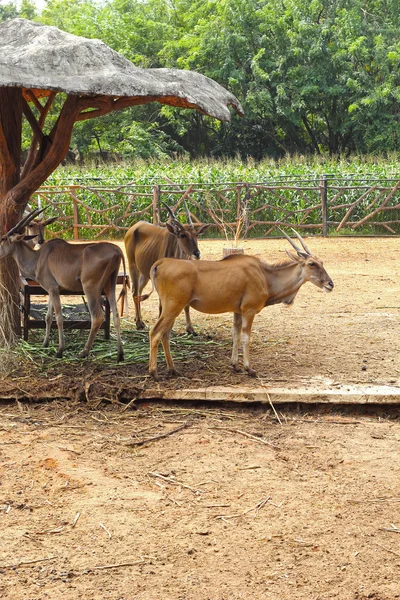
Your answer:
<point x="246" y="331"/>
<point x="236" y="332"/>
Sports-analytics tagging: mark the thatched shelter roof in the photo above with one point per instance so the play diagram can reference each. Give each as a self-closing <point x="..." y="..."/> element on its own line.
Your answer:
<point x="42" y="59"/>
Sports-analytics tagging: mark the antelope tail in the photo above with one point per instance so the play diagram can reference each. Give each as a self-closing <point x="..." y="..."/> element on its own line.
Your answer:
<point x="139" y="299"/>
<point x="123" y="296"/>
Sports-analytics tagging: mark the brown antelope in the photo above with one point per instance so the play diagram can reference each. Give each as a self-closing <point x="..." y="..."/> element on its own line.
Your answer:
<point x="91" y="268"/>
<point x="34" y="233"/>
<point x="240" y="284"/>
<point x="146" y="243"/>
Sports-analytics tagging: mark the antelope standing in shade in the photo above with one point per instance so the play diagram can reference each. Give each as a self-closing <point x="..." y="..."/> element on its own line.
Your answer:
<point x="91" y="268"/>
<point x="240" y="284"/>
<point x="146" y="243"/>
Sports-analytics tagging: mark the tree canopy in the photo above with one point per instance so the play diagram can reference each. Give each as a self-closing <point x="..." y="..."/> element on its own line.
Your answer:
<point x="319" y="76"/>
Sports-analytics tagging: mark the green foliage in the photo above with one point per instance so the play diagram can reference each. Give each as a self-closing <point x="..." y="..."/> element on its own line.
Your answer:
<point x="27" y="10"/>
<point x="8" y="11"/>
<point x="296" y="179"/>
<point x="211" y="171"/>
<point x="317" y="76"/>
<point x="127" y="134"/>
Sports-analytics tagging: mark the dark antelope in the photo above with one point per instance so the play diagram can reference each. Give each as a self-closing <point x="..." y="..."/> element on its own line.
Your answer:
<point x="146" y="243"/>
<point x="90" y="268"/>
<point x="240" y="284"/>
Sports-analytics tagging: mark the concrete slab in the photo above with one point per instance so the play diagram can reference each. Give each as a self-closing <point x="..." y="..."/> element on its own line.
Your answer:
<point x="317" y="392"/>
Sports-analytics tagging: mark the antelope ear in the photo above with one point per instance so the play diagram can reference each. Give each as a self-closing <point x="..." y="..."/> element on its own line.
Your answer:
<point x="14" y="237"/>
<point x="292" y="256"/>
<point x="172" y="229"/>
<point x="203" y="228"/>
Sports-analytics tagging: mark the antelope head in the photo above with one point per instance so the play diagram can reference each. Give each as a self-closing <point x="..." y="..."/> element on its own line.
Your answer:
<point x="313" y="269"/>
<point x="36" y="228"/>
<point x="186" y="234"/>
<point x="18" y="233"/>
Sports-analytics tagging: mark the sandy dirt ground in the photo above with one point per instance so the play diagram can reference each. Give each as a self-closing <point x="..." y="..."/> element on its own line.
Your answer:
<point x="230" y="504"/>
<point x="233" y="506"/>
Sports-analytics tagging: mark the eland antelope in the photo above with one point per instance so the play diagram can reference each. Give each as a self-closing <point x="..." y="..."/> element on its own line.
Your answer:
<point x="91" y="268"/>
<point x="146" y="243"/>
<point x="240" y="284"/>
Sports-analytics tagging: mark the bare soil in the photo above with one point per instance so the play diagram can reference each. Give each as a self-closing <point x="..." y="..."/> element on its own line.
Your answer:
<point x="304" y="510"/>
<point x="235" y="505"/>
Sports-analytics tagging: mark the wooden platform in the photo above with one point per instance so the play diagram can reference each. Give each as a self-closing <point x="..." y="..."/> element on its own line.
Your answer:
<point x="30" y="288"/>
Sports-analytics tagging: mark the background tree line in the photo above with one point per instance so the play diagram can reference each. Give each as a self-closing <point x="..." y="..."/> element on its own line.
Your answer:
<point x="314" y="76"/>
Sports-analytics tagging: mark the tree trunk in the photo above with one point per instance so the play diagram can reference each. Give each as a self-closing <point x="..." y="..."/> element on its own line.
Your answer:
<point x="310" y="132"/>
<point x="15" y="193"/>
<point x="10" y="213"/>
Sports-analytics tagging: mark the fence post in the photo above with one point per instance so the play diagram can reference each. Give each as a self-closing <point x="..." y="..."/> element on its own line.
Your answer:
<point x="246" y="210"/>
<point x="323" y="186"/>
<point x="239" y="201"/>
<point x="156" y="204"/>
<point x="76" y="214"/>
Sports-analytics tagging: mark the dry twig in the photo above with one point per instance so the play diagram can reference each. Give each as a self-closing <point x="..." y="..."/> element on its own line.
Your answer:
<point x="74" y="522"/>
<point x="374" y="500"/>
<point x="392" y="528"/>
<point x="50" y="531"/>
<point x="387" y="549"/>
<point x="105" y="529"/>
<point x="174" y="482"/>
<point x="21" y="563"/>
<point x="256" y="508"/>
<point x="269" y="399"/>
<point x="248" y="435"/>
<point x="116" y="566"/>
<point x="161" y="436"/>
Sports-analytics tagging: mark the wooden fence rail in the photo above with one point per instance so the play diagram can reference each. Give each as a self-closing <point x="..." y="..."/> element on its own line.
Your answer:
<point x="323" y="205"/>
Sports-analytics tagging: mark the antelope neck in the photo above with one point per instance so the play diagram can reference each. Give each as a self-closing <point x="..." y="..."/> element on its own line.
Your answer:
<point x="26" y="259"/>
<point x="284" y="283"/>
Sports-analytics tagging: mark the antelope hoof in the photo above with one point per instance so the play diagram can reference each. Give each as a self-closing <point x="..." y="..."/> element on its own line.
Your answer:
<point x="83" y="354"/>
<point x="59" y="354"/>
<point x="120" y="357"/>
<point x="140" y="325"/>
<point x="173" y="373"/>
<point x="154" y="375"/>
<point x="236" y="367"/>
<point x="251" y="372"/>
<point x="191" y="331"/>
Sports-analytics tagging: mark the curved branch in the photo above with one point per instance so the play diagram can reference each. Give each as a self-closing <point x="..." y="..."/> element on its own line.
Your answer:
<point x="29" y="94"/>
<point x="32" y="158"/>
<point x="30" y="117"/>
<point x="102" y="105"/>
<point x="60" y="138"/>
